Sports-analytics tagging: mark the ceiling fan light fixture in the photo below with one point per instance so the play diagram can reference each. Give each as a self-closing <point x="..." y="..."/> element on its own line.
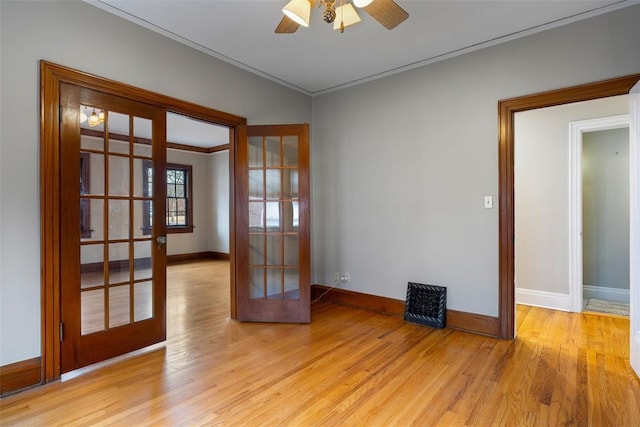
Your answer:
<point x="298" y="11"/>
<point x="329" y="14"/>
<point x="345" y="15"/>
<point x="362" y="3"/>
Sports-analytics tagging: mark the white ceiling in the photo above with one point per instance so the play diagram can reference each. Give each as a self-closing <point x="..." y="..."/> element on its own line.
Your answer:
<point x="188" y="131"/>
<point x="317" y="59"/>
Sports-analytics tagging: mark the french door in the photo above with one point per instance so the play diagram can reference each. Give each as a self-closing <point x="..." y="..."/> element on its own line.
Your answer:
<point x="112" y="226"/>
<point x="273" y="224"/>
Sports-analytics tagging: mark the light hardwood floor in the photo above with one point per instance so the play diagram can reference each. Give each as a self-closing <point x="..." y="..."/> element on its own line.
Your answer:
<point x="348" y="367"/>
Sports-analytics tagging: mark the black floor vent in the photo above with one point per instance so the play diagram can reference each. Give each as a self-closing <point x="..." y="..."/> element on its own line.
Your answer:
<point x="426" y="304"/>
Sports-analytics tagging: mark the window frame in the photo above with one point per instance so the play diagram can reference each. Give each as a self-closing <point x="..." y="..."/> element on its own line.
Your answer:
<point x="188" y="227"/>
<point x="170" y="229"/>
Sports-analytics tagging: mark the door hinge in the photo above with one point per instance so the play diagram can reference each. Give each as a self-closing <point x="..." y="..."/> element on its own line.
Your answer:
<point x="61" y="331"/>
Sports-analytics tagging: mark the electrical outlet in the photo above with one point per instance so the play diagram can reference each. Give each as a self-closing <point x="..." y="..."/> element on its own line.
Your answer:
<point x="345" y="277"/>
<point x="336" y="276"/>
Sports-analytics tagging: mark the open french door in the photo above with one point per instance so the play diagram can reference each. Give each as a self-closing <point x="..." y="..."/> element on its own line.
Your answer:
<point x="272" y="248"/>
<point x="634" y="134"/>
<point x="112" y="226"/>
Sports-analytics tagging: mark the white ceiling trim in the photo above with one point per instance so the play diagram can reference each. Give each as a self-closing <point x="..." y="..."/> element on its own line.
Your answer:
<point x="498" y="40"/>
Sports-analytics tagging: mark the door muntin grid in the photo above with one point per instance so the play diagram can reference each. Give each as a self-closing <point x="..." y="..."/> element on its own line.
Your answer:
<point x="273" y="218"/>
<point x="116" y="279"/>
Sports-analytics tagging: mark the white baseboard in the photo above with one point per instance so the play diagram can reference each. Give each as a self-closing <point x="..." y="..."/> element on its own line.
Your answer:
<point x="609" y="294"/>
<point x="552" y="300"/>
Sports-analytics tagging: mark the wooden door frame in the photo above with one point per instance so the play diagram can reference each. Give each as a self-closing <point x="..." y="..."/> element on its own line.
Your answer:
<point x="51" y="75"/>
<point x="506" y="110"/>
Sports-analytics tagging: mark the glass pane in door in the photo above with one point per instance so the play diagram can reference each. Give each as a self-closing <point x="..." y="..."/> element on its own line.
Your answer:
<point x="91" y="173"/>
<point x="291" y="250"/>
<point x="118" y="219"/>
<point x="115" y="198"/>
<point x="92" y="311"/>
<point x="273" y="217"/>
<point x="118" y="176"/>
<point x="118" y="125"/>
<point x="272" y="151"/>
<point x="256" y="184"/>
<point x="119" y="306"/>
<point x="142" y="263"/>
<point x="256" y="283"/>
<point x="118" y="262"/>
<point x="256" y="249"/>
<point x="274" y="283"/>
<point x="142" y="134"/>
<point x="274" y="183"/>
<point x="142" y="276"/>
<point x="143" y="301"/>
<point x="291" y="283"/>
<point x="255" y="152"/>
<point x="290" y="150"/>
<point x="274" y="250"/>
<point x="91" y="265"/>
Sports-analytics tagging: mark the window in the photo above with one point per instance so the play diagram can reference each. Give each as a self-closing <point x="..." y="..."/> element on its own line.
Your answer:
<point x="179" y="215"/>
<point x="179" y="203"/>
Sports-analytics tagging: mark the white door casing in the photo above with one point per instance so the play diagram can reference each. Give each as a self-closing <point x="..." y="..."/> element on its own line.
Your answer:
<point x="576" y="130"/>
<point x="634" y="227"/>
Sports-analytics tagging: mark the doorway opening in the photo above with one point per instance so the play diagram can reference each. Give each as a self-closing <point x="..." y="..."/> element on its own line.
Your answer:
<point x="548" y="200"/>
<point x="599" y="219"/>
<point x="506" y="111"/>
<point x="55" y="115"/>
<point x="197" y="189"/>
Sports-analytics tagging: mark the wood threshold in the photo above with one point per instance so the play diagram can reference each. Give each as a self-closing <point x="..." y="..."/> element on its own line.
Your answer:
<point x="506" y="212"/>
<point x="17" y="376"/>
<point x="460" y="320"/>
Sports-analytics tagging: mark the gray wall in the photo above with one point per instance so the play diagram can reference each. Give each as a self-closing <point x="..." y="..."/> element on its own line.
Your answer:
<point x="219" y="210"/>
<point x="59" y="31"/>
<point x="605" y="208"/>
<point x="541" y="181"/>
<point x="200" y="239"/>
<point x="401" y="164"/>
<point x="211" y="203"/>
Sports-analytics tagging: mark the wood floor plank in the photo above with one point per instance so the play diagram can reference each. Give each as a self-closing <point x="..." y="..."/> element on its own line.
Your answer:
<point x="349" y="367"/>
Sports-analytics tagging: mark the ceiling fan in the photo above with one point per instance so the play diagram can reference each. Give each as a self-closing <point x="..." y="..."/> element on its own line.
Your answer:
<point x="341" y="13"/>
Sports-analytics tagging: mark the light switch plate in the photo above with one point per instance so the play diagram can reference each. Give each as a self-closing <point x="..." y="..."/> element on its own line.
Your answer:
<point x="488" y="202"/>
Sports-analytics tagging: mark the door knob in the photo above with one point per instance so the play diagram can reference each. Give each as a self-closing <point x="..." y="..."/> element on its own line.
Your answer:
<point x="162" y="240"/>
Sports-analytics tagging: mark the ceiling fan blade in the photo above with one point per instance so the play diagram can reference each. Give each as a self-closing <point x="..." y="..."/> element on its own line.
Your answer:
<point x="387" y="13"/>
<point x="286" y="26"/>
